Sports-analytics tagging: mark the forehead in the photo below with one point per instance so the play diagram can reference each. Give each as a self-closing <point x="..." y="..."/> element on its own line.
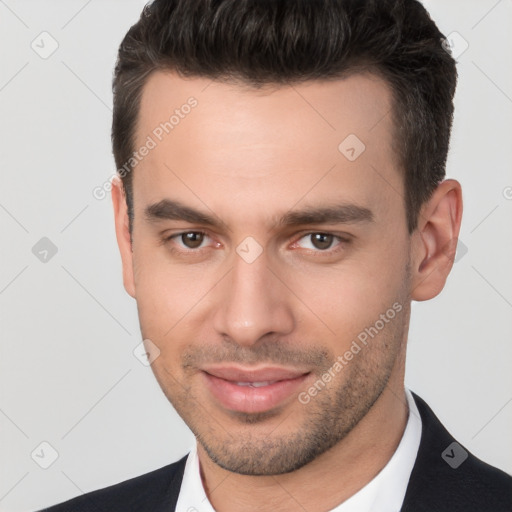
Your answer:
<point x="358" y="102"/>
<point x="273" y="144"/>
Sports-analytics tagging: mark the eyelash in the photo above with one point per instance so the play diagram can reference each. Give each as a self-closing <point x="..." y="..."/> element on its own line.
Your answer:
<point x="342" y="241"/>
<point x="169" y="238"/>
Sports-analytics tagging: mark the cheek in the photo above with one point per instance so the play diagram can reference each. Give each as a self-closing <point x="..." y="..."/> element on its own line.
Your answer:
<point x="164" y="292"/>
<point x="343" y="301"/>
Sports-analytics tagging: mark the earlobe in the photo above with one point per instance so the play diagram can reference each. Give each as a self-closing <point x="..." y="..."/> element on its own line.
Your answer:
<point x="123" y="234"/>
<point x="435" y="240"/>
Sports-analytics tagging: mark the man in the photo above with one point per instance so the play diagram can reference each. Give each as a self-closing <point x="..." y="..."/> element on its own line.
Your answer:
<point x="280" y="204"/>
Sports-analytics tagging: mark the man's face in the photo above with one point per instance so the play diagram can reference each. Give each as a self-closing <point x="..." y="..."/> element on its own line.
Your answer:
<point x="275" y="250"/>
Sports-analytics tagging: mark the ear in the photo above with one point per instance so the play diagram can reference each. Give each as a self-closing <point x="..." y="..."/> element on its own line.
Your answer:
<point x="123" y="234"/>
<point x="435" y="240"/>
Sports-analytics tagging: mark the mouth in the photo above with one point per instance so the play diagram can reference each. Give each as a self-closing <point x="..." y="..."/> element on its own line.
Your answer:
<point x="252" y="390"/>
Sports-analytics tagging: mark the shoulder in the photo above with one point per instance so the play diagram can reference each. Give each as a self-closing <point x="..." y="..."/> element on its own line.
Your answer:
<point x="153" y="491"/>
<point x="447" y="477"/>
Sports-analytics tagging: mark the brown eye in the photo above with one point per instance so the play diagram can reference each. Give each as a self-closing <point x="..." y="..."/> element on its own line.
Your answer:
<point x="192" y="239"/>
<point x="321" y="241"/>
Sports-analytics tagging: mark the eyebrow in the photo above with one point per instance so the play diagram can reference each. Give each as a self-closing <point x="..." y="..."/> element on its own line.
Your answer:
<point x="168" y="209"/>
<point x="339" y="214"/>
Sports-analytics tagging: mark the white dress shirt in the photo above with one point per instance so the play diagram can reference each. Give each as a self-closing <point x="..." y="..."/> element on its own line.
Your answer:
<point x="385" y="492"/>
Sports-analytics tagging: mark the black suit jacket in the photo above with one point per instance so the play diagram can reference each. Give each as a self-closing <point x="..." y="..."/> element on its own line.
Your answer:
<point x="436" y="484"/>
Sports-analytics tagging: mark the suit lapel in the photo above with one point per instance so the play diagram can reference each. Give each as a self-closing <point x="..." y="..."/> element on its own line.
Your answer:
<point x="173" y="491"/>
<point x="446" y="477"/>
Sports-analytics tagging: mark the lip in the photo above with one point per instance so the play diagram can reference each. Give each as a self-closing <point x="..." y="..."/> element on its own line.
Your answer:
<point x="274" y="386"/>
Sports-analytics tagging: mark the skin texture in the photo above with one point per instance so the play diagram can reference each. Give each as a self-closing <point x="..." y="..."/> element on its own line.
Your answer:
<point x="246" y="158"/>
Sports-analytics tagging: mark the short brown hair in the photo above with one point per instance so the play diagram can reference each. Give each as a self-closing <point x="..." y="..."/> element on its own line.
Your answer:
<point x="260" y="42"/>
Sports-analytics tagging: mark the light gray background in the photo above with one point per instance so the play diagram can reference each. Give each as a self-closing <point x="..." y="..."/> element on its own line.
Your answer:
<point x="67" y="372"/>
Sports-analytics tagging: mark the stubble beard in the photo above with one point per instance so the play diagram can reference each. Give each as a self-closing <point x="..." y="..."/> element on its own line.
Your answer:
<point x="321" y="424"/>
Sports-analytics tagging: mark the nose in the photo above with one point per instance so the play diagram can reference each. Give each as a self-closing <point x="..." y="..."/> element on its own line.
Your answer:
<point x="252" y="303"/>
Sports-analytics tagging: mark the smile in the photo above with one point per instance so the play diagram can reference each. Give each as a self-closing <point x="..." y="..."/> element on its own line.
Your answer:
<point x="252" y="391"/>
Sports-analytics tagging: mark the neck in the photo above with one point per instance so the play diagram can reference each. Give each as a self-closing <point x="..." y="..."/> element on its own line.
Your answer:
<point x="339" y="473"/>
